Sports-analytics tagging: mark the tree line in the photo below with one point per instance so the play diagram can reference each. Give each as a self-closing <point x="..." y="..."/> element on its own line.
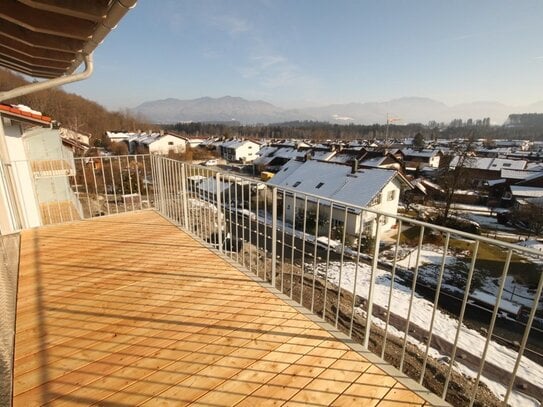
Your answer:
<point x="72" y="111"/>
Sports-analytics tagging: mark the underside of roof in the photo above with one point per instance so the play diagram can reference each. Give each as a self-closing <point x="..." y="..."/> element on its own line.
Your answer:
<point x="49" y="38"/>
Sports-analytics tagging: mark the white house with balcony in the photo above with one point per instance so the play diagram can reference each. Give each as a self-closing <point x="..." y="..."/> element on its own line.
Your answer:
<point x="239" y="150"/>
<point x="375" y="188"/>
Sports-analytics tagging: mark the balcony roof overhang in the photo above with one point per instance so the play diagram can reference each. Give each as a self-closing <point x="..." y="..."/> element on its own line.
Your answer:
<point x="50" y="38"/>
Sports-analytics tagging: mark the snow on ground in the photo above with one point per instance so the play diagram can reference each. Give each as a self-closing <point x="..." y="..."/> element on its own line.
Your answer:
<point x="444" y="325"/>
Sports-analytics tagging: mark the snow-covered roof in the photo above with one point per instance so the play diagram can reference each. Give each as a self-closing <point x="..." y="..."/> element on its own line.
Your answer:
<point x="210" y="185"/>
<point x="373" y="162"/>
<point x="333" y="181"/>
<point x="236" y="143"/>
<point x="515" y="174"/>
<point x="490" y="299"/>
<point x="419" y="153"/>
<point x="527" y="192"/>
<point x="489" y="163"/>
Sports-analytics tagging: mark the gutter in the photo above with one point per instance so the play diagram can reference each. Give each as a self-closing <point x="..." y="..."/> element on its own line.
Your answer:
<point x="50" y="83"/>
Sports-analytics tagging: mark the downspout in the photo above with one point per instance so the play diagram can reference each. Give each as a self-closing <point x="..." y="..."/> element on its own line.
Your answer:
<point x="51" y="83"/>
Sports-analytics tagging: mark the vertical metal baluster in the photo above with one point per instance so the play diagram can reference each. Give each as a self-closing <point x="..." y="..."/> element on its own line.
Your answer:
<point x="184" y="197"/>
<point x="113" y="185"/>
<point x="525" y="336"/>
<point x="327" y="258"/>
<point x="250" y="230"/>
<point x="257" y="231"/>
<point x="155" y="178"/>
<point x="227" y="207"/>
<point x="74" y="178"/>
<point x="436" y="303"/>
<point x="122" y="184"/>
<point x="179" y="193"/>
<point x="166" y="186"/>
<point x="105" y="184"/>
<point x="341" y="266"/>
<point x="303" y="254"/>
<point x="274" y="237"/>
<point x="413" y="289"/>
<point x="371" y="289"/>
<point x="315" y="255"/>
<point x="491" y="327"/>
<point x="292" y="244"/>
<point x="392" y="279"/>
<point x="243" y="222"/>
<point x="55" y="192"/>
<point x="130" y="180"/>
<point x="68" y="190"/>
<point x="461" y="317"/>
<point x="361" y="229"/>
<point x="146" y="182"/>
<point x="86" y="186"/>
<point x="138" y="180"/>
<point x="237" y="182"/>
<point x="283" y="244"/>
<point x="96" y="188"/>
<point x="265" y="231"/>
<point x="191" y="188"/>
<point x="219" y="211"/>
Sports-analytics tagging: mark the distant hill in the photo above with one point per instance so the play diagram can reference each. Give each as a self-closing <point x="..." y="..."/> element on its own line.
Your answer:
<point x="72" y="111"/>
<point x="408" y="109"/>
<point x="208" y="109"/>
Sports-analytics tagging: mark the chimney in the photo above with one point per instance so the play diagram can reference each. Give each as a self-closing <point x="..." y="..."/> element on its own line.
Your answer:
<point x="307" y="157"/>
<point x="354" y="166"/>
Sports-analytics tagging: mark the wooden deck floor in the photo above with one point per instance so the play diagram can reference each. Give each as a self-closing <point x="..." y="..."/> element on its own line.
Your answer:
<point x="128" y="310"/>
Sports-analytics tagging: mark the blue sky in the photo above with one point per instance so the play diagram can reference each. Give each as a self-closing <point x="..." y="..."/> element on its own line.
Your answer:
<point x="315" y="52"/>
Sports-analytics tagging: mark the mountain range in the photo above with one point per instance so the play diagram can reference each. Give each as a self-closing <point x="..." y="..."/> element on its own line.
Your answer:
<point x="407" y="110"/>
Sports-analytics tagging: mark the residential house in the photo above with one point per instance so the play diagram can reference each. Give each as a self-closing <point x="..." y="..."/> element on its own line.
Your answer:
<point x="483" y="169"/>
<point x="166" y="143"/>
<point x="239" y="150"/>
<point x="418" y="159"/>
<point x="376" y="188"/>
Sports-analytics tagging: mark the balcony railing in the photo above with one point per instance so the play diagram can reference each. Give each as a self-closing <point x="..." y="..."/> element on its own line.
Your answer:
<point x="441" y="305"/>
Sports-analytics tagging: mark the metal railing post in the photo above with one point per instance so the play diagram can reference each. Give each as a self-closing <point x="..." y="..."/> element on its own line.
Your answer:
<point x="184" y="197"/>
<point x="219" y="211"/>
<point x="274" y="235"/>
<point x="372" y="282"/>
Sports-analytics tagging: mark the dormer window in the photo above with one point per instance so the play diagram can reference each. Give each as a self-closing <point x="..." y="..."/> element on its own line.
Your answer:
<point x="296" y="184"/>
<point x="320" y="184"/>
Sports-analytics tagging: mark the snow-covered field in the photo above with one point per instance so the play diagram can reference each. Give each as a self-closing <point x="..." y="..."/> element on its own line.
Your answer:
<point x="444" y="325"/>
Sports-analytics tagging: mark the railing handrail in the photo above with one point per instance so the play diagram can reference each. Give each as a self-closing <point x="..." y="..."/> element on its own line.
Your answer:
<point x="413" y="221"/>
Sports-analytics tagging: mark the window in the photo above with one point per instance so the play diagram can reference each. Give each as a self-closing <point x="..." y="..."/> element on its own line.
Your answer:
<point x="336" y="223"/>
<point x="170" y="143"/>
<point x="320" y="184"/>
<point x="296" y="184"/>
<point x="391" y="195"/>
<point x="249" y="146"/>
<point x="377" y="199"/>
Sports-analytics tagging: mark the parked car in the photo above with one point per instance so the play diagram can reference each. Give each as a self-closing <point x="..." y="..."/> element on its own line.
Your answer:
<point x="211" y="163"/>
<point x="324" y="243"/>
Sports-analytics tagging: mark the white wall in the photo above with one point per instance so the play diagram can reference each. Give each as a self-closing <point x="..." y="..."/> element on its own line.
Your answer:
<point x="22" y="177"/>
<point x="247" y="151"/>
<point x="167" y="143"/>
